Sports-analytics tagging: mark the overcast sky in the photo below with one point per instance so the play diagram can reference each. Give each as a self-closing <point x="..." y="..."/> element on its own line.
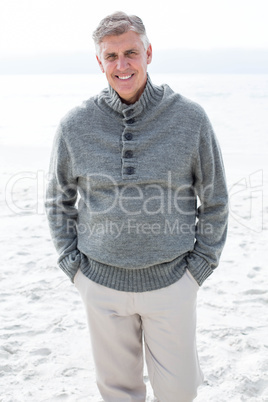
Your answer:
<point x="41" y="26"/>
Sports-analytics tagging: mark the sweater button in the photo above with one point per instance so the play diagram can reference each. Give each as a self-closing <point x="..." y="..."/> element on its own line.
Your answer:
<point x="129" y="112"/>
<point x="128" y="136"/>
<point x="130" y="170"/>
<point x="130" y="121"/>
<point x="129" y="154"/>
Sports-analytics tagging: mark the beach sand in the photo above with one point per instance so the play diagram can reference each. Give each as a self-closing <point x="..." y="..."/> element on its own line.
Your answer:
<point x="45" y="347"/>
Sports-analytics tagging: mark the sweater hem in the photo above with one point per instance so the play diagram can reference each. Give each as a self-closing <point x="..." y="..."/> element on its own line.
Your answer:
<point x="135" y="279"/>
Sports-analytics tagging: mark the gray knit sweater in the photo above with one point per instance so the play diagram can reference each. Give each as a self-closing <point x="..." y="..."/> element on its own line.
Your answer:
<point x="137" y="193"/>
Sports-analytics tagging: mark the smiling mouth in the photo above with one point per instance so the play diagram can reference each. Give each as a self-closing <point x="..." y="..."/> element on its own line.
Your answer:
<point x="124" y="77"/>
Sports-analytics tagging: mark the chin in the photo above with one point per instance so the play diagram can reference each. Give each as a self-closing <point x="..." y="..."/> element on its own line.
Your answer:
<point x="124" y="93"/>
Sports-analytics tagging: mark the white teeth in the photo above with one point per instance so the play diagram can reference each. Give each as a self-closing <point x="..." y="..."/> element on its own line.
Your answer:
<point x="124" y="78"/>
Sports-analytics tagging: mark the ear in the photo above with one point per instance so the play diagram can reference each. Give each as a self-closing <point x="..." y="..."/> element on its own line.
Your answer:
<point x="100" y="63"/>
<point x="149" y="53"/>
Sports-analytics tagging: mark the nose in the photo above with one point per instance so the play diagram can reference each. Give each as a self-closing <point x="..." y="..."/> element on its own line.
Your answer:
<point x="122" y="63"/>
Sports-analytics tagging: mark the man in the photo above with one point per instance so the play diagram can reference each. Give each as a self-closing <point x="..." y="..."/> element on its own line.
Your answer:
<point x="136" y="245"/>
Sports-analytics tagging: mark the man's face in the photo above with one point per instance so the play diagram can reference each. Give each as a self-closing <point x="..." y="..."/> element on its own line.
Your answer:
<point x="124" y="61"/>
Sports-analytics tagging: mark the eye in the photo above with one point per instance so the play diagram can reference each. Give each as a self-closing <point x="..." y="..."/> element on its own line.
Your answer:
<point x="110" y="57"/>
<point x="131" y="52"/>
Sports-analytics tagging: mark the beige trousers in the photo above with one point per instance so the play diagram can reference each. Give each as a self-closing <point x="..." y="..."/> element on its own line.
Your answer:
<point x="163" y="320"/>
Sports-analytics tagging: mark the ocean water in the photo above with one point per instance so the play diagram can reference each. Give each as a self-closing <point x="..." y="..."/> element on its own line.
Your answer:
<point x="237" y="105"/>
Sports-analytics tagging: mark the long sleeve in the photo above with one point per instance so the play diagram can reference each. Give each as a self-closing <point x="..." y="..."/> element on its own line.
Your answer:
<point x="61" y="197"/>
<point x="212" y="213"/>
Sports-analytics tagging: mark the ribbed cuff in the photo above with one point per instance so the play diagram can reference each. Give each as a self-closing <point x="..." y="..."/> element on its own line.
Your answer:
<point x="70" y="264"/>
<point x="198" y="267"/>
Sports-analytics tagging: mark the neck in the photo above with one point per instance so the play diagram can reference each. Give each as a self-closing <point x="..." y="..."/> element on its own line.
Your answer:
<point x="135" y="98"/>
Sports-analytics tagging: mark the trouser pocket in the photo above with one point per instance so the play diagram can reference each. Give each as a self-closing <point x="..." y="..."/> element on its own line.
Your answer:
<point x="192" y="279"/>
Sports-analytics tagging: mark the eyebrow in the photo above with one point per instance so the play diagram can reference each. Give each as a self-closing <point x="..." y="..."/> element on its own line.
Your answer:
<point x="131" y="50"/>
<point x="126" y="51"/>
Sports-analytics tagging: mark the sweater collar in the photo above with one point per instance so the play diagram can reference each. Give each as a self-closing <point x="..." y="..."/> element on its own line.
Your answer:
<point x="151" y="96"/>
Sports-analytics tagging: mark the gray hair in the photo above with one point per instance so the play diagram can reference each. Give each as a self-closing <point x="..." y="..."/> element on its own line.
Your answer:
<point x="117" y="24"/>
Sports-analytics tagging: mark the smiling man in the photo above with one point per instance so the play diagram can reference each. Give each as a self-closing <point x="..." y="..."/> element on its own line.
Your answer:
<point x="137" y="245"/>
<point x="124" y="60"/>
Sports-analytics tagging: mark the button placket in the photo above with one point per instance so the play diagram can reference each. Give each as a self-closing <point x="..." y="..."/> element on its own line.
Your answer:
<point x="129" y="161"/>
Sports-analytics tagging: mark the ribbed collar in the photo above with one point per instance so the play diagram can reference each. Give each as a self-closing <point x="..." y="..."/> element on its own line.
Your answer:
<point x="151" y="96"/>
